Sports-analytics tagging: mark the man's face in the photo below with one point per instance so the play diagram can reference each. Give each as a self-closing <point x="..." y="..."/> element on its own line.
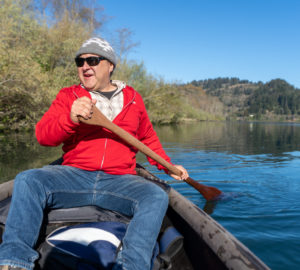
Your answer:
<point x="95" y="77"/>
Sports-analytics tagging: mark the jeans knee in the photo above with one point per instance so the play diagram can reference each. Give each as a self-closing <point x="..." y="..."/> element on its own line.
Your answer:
<point x="24" y="177"/>
<point x="27" y="180"/>
<point x="158" y="196"/>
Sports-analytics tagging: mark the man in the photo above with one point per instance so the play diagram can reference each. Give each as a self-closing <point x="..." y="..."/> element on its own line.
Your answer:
<point x="98" y="168"/>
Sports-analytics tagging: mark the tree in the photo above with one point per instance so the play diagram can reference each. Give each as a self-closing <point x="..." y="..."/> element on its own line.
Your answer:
<point x="123" y="43"/>
<point x="88" y="12"/>
<point x="36" y="61"/>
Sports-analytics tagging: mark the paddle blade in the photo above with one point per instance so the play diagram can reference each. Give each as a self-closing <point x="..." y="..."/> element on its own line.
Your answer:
<point x="209" y="193"/>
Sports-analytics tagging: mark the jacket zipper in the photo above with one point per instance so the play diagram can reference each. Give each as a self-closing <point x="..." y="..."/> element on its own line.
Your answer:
<point x="103" y="157"/>
<point x="105" y="144"/>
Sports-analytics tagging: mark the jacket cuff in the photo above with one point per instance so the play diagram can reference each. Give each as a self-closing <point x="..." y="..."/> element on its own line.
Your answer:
<point x="67" y="124"/>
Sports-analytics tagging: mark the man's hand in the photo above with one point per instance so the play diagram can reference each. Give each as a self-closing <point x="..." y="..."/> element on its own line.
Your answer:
<point x="83" y="107"/>
<point x="184" y="174"/>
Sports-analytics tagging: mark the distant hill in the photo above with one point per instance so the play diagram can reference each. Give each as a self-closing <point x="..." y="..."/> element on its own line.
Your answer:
<point x="198" y="99"/>
<point x="274" y="100"/>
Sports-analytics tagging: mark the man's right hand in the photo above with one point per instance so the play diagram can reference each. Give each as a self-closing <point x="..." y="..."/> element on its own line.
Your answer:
<point x="83" y="107"/>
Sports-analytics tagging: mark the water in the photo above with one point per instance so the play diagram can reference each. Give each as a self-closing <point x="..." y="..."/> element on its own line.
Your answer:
<point x="256" y="165"/>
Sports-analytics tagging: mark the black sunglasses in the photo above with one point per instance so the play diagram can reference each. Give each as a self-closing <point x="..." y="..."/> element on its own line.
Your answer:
<point x="91" y="61"/>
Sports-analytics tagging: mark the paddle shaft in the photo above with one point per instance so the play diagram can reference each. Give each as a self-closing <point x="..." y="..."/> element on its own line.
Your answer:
<point x="209" y="193"/>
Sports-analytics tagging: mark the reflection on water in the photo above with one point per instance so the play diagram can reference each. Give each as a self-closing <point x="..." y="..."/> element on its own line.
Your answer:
<point x="19" y="152"/>
<point x="235" y="137"/>
<point x="256" y="165"/>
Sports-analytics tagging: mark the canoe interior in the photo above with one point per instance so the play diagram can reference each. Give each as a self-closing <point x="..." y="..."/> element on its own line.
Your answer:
<point x="195" y="254"/>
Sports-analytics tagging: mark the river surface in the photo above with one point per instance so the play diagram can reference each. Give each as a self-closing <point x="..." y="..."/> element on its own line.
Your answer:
<point x="256" y="165"/>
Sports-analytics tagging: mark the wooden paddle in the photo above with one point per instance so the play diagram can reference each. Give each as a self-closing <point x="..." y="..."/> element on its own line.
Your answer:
<point x="209" y="193"/>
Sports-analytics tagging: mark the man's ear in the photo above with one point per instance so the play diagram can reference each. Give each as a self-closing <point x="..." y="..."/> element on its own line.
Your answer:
<point x="111" y="67"/>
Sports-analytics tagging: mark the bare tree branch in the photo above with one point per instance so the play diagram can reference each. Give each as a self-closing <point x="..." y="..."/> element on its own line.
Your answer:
<point x="123" y="44"/>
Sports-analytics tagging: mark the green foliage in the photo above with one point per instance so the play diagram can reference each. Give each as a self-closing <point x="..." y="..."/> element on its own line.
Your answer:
<point x="135" y="75"/>
<point x="217" y="83"/>
<point x="276" y="96"/>
<point x="36" y="61"/>
<point x="274" y="100"/>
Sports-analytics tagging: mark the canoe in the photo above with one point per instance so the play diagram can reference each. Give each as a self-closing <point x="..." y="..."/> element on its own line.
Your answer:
<point x="206" y="244"/>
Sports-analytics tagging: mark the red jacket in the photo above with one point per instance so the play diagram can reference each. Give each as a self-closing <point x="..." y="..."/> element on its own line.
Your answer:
<point x="95" y="148"/>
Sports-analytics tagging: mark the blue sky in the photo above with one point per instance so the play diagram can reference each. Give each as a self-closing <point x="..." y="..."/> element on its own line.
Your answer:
<point x="181" y="41"/>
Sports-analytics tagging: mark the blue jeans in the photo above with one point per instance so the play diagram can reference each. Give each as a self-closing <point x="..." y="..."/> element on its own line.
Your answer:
<point x="65" y="187"/>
